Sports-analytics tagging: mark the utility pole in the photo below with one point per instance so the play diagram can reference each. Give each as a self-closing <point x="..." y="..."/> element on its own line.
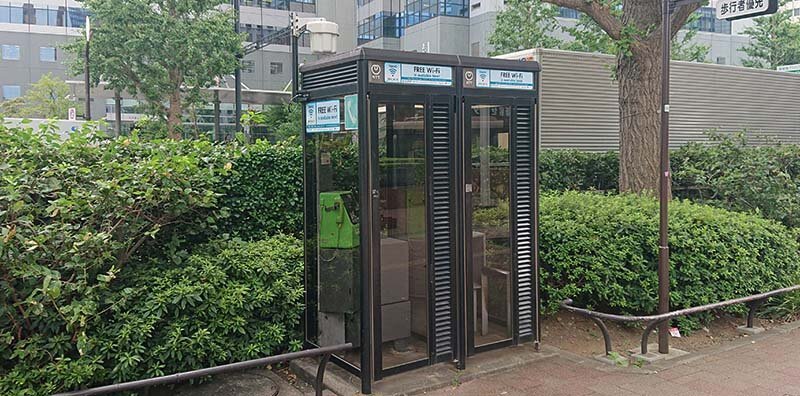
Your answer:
<point x="87" y="115"/>
<point x="237" y="77"/>
<point x="296" y="31"/>
<point x="118" y="112"/>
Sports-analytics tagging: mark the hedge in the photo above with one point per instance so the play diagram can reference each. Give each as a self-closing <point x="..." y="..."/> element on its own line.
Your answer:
<point x="732" y="175"/>
<point x="562" y="170"/>
<point x="264" y="191"/>
<point x="727" y="173"/>
<point x="601" y="251"/>
<point x="100" y="264"/>
<point x="229" y="302"/>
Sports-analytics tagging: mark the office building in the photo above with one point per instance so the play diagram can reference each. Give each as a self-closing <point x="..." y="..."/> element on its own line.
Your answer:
<point x="32" y="33"/>
<point x="464" y="26"/>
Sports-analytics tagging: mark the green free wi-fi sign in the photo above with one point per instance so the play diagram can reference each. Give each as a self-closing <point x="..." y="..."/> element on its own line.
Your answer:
<point x="351" y="112"/>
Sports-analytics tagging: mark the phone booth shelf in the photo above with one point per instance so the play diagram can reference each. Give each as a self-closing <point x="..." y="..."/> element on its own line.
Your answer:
<point x="421" y="207"/>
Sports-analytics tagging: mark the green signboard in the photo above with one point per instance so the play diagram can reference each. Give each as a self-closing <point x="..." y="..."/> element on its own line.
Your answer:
<point x="790" y="68"/>
<point x="351" y="112"/>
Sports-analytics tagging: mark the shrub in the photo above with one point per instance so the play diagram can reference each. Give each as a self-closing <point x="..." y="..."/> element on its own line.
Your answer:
<point x="561" y="170"/>
<point x="601" y="251"/>
<point x="731" y="175"/>
<point x="264" y="193"/>
<point x="76" y="212"/>
<point x="229" y="302"/>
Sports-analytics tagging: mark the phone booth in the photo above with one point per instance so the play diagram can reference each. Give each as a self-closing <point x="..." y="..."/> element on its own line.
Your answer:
<point x="421" y="207"/>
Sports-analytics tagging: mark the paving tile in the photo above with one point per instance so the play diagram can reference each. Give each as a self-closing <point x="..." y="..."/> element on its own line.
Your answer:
<point x="771" y="366"/>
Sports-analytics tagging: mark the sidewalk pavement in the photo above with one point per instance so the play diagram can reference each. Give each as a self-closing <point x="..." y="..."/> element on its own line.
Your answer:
<point x="765" y="364"/>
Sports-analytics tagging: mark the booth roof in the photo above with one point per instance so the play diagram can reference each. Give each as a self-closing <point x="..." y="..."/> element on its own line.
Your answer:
<point x="418" y="57"/>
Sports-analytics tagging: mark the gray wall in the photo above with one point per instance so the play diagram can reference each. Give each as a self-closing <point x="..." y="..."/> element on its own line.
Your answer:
<point x="443" y="35"/>
<point x="29" y="69"/>
<point x="342" y="12"/>
<point x="580" y="106"/>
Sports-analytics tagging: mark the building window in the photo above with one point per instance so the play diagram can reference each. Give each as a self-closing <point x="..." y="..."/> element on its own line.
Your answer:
<point x="47" y="54"/>
<point x="76" y="17"/>
<point x="248" y="66"/>
<point x="10" y="14"/>
<point x="256" y="33"/>
<point x="382" y="24"/>
<point x="11" y="91"/>
<point x="11" y="52"/>
<point x="295" y="5"/>
<point x="707" y="22"/>
<point x="418" y="11"/>
<point x="568" y="13"/>
<point x="275" y="68"/>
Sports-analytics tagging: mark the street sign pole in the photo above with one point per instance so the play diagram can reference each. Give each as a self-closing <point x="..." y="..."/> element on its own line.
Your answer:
<point x="725" y="10"/>
<point x="664" y="185"/>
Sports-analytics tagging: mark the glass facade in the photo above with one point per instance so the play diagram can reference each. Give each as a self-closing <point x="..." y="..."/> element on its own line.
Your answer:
<point x="257" y="32"/>
<point x="289" y="5"/>
<point x="382" y="24"/>
<point x="708" y="22"/>
<point x="418" y="11"/>
<point x="42" y="15"/>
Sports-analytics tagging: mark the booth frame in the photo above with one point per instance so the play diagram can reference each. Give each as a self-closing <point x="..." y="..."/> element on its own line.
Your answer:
<point x="348" y="74"/>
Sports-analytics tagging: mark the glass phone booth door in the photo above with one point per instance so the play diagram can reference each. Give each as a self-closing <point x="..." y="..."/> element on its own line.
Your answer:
<point x="487" y="137"/>
<point x="444" y="260"/>
<point x="411" y="164"/>
<point x="499" y="210"/>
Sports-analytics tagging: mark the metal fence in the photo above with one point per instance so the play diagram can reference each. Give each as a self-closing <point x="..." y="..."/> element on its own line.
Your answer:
<point x="753" y="302"/>
<point x="325" y="352"/>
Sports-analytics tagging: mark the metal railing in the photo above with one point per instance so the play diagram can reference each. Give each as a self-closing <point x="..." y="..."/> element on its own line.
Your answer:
<point x="325" y="352"/>
<point x="753" y="302"/>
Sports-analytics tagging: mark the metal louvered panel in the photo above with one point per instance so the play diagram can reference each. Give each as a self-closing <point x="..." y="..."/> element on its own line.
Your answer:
<point x="339" y="75"/>
<point x="580" y="101"/>
<point x="442" y="233"/>
<point x="524" y="207"/>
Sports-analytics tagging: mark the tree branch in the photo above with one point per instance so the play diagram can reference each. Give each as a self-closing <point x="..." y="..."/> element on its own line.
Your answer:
<point x="681" y="15"/>
<point x="600" y="13"/>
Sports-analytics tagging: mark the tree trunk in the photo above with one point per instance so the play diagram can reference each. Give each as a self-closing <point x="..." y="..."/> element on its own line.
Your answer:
<point x="174" y="115"/>
<point x="639" y="74"/>
<point x="639" y="124"/>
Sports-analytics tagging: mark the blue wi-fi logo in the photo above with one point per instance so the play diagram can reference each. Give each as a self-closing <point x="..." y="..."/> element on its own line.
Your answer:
<point x="393" y="69"/>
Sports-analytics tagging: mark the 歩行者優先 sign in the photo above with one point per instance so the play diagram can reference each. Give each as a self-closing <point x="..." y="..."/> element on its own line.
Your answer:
<point x="738" y="9"/>
<point x="323" y="116"/>
<point x="498" y="79"/>
<point x="790" y="68"/>
<point x="407" y="73"/>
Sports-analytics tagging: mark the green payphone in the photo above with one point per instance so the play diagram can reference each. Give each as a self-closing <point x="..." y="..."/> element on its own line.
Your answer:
<point x="339" y="239"/>
<point x="338" y="225"/>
